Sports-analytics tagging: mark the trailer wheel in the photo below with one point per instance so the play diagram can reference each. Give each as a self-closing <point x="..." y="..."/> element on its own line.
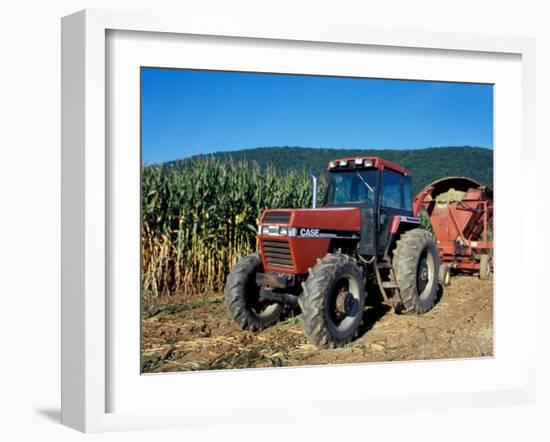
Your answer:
<point x="445" y="275"/>
<point x="333" y="301"/>
<point x="242" y="297"/>
<point x="484" y="267"/>
<point x="416" y="268"/>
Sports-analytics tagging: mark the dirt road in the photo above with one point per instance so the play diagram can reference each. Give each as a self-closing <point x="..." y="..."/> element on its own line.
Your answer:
<point x="179" y="335"/>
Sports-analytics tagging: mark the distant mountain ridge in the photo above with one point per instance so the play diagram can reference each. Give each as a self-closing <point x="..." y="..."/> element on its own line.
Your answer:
<point x="426" y="165"/>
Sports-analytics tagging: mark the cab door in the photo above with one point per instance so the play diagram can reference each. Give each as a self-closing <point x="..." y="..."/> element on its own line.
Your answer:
<point x="392" y="201"/>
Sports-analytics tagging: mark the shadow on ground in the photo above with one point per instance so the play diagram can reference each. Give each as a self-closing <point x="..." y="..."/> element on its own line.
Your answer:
<point x="51" y="414"/>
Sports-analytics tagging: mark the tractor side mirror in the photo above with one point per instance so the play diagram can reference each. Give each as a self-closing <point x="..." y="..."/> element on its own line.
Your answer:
<point x="314" y="177"/>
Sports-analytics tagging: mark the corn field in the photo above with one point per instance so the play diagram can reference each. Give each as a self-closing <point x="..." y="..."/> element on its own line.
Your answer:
<point x="199" y="217"/>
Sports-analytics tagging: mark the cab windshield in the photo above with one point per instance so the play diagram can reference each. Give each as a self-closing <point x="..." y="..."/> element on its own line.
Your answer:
<point x="351" y="187"/>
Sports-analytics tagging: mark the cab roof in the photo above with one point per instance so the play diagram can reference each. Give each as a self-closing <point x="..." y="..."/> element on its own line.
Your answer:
<point x="377" y="162"/>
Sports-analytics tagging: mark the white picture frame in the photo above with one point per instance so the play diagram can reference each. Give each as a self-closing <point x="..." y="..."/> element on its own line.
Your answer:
<point x="87" y="319"/>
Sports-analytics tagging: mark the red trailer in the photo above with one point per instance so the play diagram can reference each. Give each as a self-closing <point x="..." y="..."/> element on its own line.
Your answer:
<point x="461" y="213"/>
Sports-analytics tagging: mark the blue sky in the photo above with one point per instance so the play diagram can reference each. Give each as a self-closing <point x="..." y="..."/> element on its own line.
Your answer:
<point x="186" y="112"/>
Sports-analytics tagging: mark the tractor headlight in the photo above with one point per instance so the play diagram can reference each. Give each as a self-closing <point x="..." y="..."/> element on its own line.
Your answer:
<point x="361" y="162"/>
<point x="269" y="230"/>
<point x="277" y="231"/>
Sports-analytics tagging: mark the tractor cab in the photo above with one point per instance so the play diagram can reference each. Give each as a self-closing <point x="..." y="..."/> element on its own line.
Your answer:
<point x="380" y="189"/>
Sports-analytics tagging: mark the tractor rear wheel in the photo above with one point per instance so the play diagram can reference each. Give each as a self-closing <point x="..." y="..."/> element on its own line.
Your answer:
<point x="484" y="267"/>
<point x="242" y="297"/>
<point x="333" y="301"/>
<point x="416" y="268"/>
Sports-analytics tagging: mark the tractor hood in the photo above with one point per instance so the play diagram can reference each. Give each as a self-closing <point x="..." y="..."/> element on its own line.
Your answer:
<point x="324" y="222"/>
<point x="291" y="240"/>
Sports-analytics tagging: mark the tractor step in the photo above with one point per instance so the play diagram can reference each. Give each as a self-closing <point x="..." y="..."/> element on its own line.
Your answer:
<point x="383" y="265"/>
<point x="389" y="285"/>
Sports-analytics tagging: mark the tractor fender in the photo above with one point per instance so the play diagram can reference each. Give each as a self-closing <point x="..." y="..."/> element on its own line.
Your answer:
<point x="399" y="225"/>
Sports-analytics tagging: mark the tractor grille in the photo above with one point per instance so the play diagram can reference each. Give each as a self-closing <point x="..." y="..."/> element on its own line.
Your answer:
<point x="277" y="253"/>
<point x="277" y="217"/>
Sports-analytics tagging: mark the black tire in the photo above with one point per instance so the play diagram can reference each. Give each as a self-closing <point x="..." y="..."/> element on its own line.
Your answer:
<point x="334" y="278"/>
<point x="445" y="275"/>
<point x="416" y="268"/>
<point x="484" y="267"/>
<point x="242" y="296"/>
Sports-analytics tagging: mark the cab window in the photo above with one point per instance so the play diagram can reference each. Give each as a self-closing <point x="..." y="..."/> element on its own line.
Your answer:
<point x="352" y="187"/>
<point x="391" y="190"/>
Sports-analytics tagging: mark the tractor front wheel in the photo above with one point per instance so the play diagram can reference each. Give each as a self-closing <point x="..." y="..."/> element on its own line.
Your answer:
<point x="416" y="268"/>
<point x="242" y="297"/>
<point x="333" y="301"/>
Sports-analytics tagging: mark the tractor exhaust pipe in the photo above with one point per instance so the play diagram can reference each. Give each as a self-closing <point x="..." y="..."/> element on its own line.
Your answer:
<point x="314" y="178"/>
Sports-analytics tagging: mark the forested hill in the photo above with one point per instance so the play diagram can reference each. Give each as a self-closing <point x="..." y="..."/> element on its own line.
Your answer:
<point x="426" y="165"/>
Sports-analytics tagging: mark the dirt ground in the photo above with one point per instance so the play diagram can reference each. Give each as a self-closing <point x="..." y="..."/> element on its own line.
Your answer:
<point x="178" y="335"/>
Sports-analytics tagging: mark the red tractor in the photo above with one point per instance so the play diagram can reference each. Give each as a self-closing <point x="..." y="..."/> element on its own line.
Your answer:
<point x="328" y="260"/>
